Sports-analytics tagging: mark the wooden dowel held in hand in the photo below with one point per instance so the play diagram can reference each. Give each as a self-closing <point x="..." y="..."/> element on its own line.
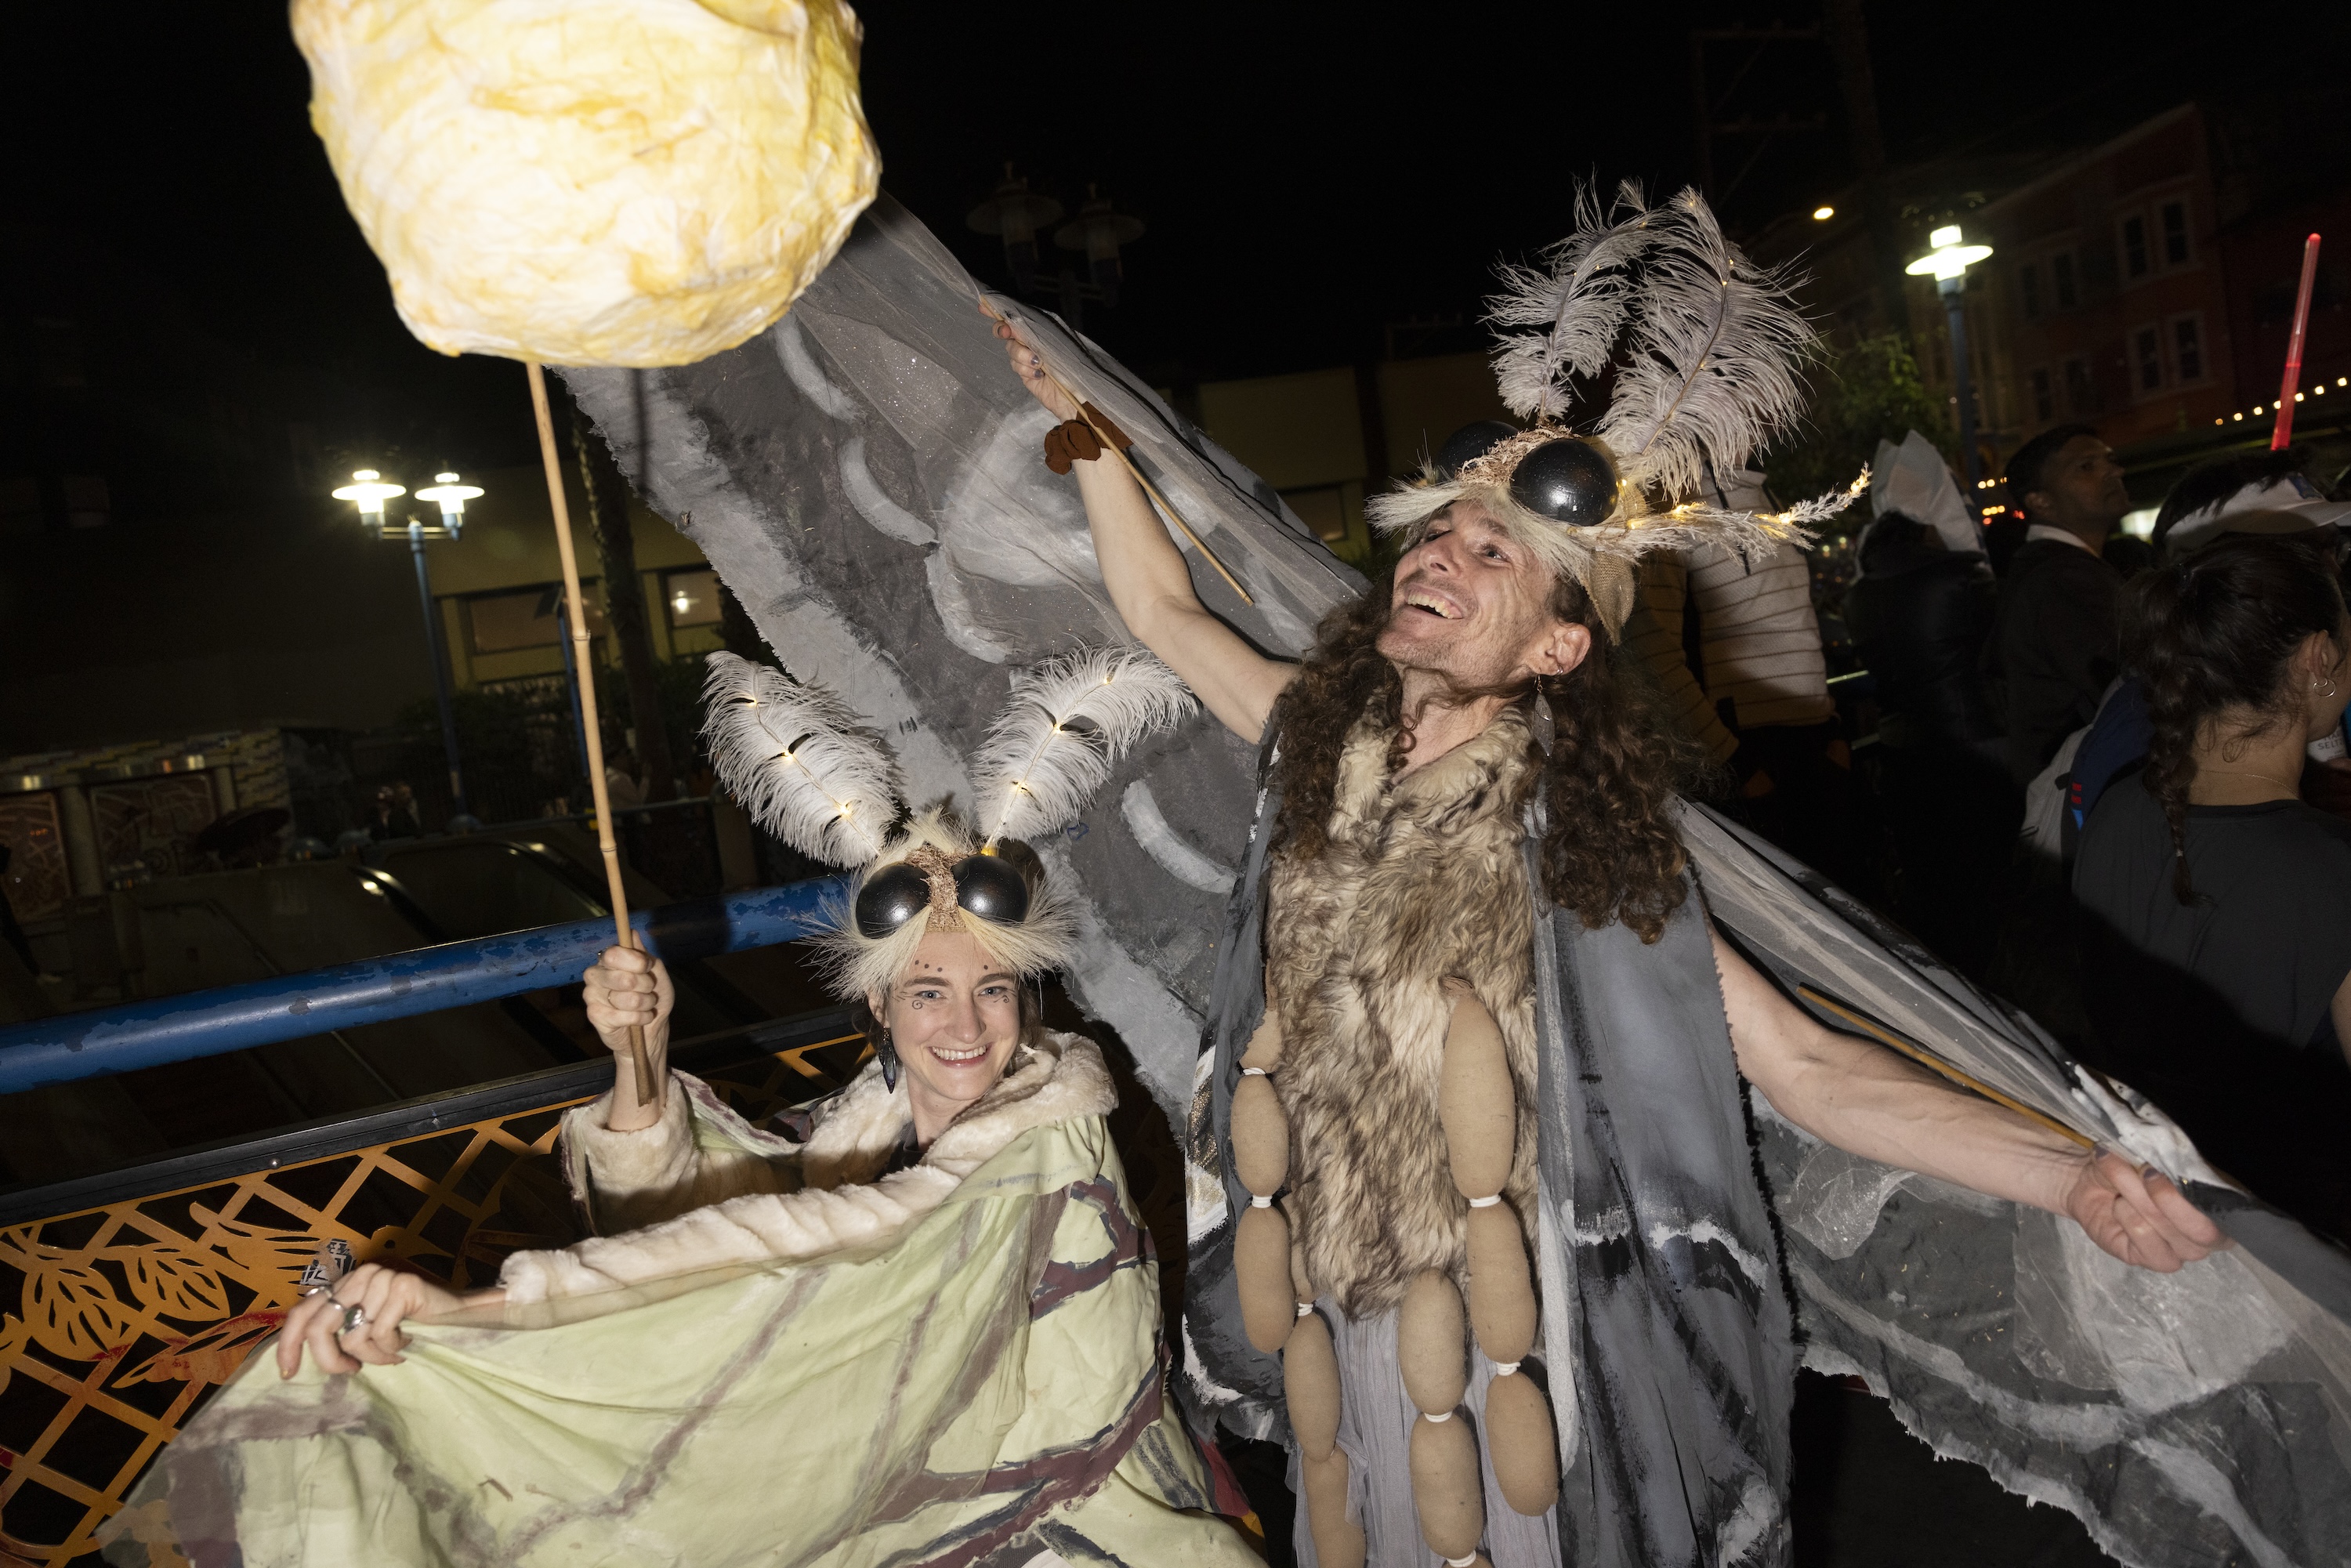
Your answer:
<point x="1928" y="1059"/>
<point x="583" y="674"/>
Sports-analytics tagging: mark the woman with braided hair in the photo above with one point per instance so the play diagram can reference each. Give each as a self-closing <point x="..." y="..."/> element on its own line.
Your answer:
<point x="2216" y="947"/>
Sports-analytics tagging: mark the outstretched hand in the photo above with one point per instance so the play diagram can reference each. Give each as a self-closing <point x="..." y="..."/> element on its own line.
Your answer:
<point x="1030" y="368"/>
<point x="2139" y="1215"/>
<point x="384" y="1298"/>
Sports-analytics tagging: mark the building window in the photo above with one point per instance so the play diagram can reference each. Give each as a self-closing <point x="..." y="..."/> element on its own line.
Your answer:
<point x="691" y="597"/>
<point x="2045" y="397"/>
<point x="2060" y="280"/>
<point x="2136" y="257"/>
<point x="2028" y="284"/>
<point x="2175" y="233"/>
<point x="2188" y="347"/>
<point x="523" y="618"/>
<point x="2146" y="358"/>
<point x="2078" y="387"/>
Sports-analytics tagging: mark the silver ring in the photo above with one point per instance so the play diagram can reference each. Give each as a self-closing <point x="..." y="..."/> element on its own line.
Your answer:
<point x="306" y="1291"/>
<point x="353" y="1318"/>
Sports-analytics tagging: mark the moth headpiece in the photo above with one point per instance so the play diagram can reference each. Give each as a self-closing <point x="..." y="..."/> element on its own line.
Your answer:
<point x="808" y="770"/>
<point x="1703" y="345"/>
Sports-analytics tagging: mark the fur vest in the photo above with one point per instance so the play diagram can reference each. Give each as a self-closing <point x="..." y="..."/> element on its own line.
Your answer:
<point x="709" y="1190"/>
<point x="1423" y="882"/>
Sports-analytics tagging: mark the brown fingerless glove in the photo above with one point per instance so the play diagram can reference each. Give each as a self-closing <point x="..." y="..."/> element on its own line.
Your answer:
<point x="1074" y="440"/>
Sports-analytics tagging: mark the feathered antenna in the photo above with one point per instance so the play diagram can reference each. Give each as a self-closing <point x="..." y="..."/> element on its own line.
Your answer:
<point x="1068" y="719"/>
<point x="800" y="761"/>
<point x="1577" y="306"/>
<point x="1713" y="357"/>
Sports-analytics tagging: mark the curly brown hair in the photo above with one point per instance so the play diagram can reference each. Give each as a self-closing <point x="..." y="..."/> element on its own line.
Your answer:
<point x="1611" y="852"/>
<point x="2211" y="636"/>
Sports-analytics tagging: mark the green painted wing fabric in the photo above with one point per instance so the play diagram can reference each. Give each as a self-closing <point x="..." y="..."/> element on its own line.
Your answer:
<point x="986" y="1388"/>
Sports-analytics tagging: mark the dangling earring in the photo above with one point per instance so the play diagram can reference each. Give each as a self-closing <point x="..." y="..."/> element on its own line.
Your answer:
<point x="889" y="1055"/>
<point x="1541" y="722"/>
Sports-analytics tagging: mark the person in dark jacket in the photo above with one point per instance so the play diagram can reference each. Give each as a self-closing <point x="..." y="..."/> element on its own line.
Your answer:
<point x="2054" y="644"/>
<point x="1919" y="614"/>
<point x="2216" y="942"/>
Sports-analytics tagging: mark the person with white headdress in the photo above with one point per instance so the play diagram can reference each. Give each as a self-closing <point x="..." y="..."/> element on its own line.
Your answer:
<point x="915" y="1320"/>
<point x="1919" y="613"/>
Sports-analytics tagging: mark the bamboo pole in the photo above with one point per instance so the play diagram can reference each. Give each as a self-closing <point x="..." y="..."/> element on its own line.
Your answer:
<point x="584" y="678"/>
<point x="1124" y="456"/>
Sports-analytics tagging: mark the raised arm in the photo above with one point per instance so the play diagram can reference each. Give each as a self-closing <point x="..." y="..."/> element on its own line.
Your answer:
<point x="1150" y="584"/>
<point x="1870" y="1102"/>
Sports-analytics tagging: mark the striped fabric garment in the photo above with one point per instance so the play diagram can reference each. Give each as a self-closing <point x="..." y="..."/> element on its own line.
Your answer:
<point x="1759" y="645"/>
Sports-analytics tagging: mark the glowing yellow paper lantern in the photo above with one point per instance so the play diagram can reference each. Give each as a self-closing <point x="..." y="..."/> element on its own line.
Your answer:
<point x="592" y="182"/>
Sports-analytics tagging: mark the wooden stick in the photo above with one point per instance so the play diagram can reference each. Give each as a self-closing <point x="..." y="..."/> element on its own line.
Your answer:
<point x="1925" y="1058"/>
<point x="584" y="677"/>
<point x="1149" y="488"/>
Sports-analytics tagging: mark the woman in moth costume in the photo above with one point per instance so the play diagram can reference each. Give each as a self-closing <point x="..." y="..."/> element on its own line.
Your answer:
<point x="1502" y="1255"/>
<point x="915" y="1322"/>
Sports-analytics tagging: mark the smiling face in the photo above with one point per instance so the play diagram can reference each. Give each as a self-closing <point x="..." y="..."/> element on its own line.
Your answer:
<point x="955" y="1018"/>
<point x="1473" y="608"/>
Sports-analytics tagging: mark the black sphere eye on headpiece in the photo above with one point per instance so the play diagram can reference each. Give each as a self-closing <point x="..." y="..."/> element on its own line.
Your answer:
<point x="1571" y="481"/>
<point x="890" y="898"/>
<point x="988" y="887"/>
<point x="985" y="885"/>
<point x="1470" y="443"/>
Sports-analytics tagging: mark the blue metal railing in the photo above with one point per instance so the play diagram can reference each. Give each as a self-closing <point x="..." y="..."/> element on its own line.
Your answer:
<point x="395" y="986"/>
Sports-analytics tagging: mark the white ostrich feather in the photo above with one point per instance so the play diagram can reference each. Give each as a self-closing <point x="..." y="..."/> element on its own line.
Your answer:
<point x="1574" y="308"/>
<point x="1712" y="358"/>
<point x="799" y="762"/>
<point x="1068" y="720"/>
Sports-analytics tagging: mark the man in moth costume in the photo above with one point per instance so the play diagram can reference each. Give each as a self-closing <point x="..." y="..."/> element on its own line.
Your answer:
<point x="1464" y="816"/>
<point x="1572" y="1114"/>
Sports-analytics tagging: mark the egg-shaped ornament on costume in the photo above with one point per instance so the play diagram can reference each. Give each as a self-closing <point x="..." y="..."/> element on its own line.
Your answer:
<point x="1571" y="481"/>
<point x="596" y="181"/>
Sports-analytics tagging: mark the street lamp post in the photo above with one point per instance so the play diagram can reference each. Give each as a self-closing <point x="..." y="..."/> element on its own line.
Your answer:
<point x="1947" y="263"/>
<point x="369" y="491"/>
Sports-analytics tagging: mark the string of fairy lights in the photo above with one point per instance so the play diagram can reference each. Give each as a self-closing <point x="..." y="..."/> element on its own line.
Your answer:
<point x="2318" y="389"/>
<point x="2259" y="409"/>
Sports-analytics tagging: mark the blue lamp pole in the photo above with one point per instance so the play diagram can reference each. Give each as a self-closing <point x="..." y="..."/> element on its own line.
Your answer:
<point x="1947" y="264"/>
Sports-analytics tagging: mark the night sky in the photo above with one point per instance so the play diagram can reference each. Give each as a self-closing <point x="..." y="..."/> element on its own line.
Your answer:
<point x="1306" y="181"/>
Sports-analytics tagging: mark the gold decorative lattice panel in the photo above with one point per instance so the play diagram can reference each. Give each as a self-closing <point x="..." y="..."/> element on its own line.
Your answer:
<point x="126" y="1317"/>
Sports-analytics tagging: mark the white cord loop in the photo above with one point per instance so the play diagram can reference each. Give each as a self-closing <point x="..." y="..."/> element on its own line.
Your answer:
<point x="1484" y="1202"/>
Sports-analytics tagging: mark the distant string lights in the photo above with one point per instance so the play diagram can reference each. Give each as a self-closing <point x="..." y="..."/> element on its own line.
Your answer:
<point x="2259" y="409"/>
